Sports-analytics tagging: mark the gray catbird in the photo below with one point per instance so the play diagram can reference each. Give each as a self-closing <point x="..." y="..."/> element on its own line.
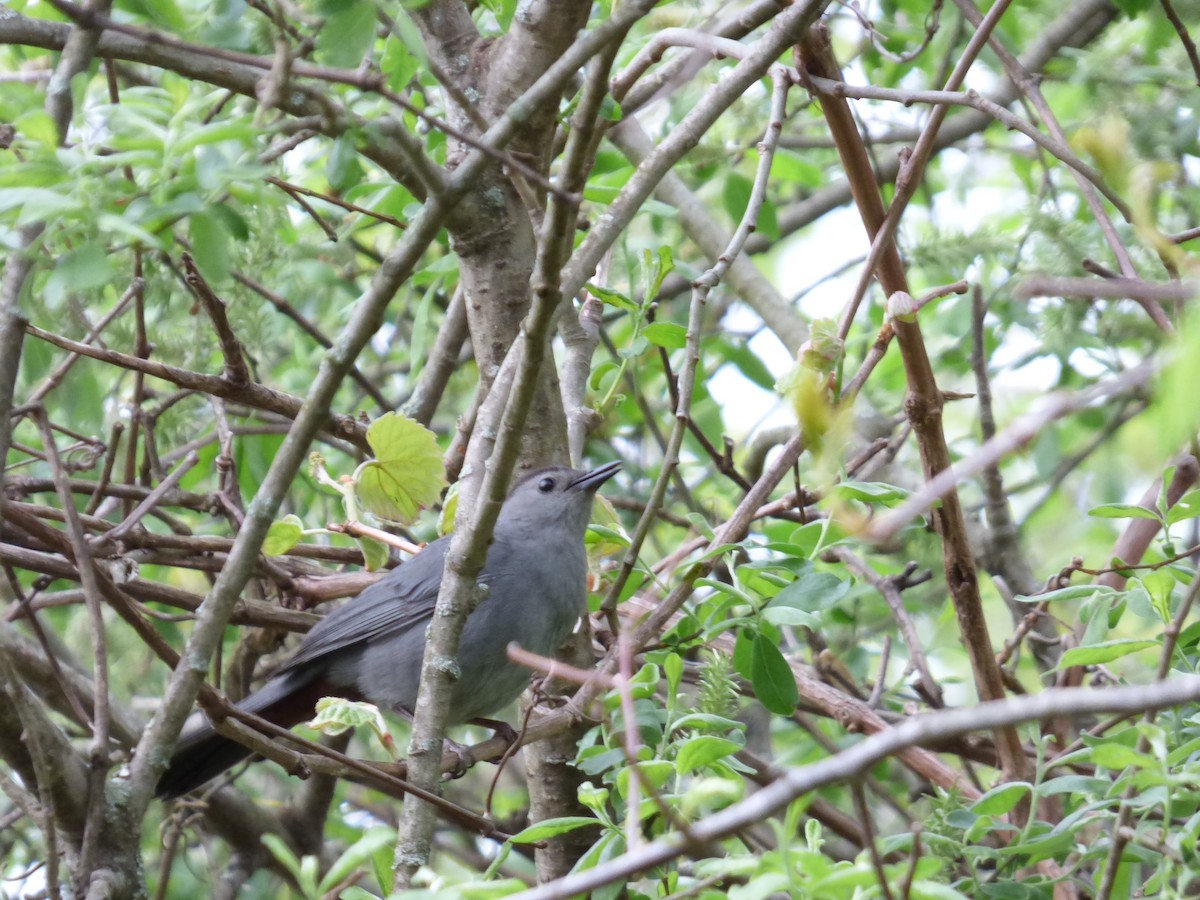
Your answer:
<point x="371" y="647"/>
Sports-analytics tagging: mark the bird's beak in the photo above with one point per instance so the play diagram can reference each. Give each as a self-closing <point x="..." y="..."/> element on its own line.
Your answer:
<point x="590" y="481"/>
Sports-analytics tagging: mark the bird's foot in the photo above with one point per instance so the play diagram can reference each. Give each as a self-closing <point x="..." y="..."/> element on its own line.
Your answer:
<point x="463" y="757"/>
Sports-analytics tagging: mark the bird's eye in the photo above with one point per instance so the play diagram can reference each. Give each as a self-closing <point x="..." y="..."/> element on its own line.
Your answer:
<point x="546" y="485"/>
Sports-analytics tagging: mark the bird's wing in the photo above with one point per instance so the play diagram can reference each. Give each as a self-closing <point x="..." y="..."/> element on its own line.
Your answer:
<point x="403" y="598"/>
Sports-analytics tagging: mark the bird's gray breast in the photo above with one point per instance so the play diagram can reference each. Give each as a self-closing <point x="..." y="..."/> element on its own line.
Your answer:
<point x="535" y="597"/>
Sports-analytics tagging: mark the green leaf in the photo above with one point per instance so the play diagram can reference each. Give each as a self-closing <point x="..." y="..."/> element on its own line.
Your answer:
<point x="1102" y="653"/>
<point x="593" y="797"/>
<point x="743" y="653"/>
<point x="36" y="203"/>
<point x="398" y="63"/>
<point x="701" y="525"/>
<point x="610" y="109"/>
<point x="933" y="890"/>
<point x="612" y="298"/>
<point x="375" y="553"/>
<point x="789" y="165"/>
<point x="602" y="540"/>
<point x="37" y="125"/>
<point x="705" y="722"/>
<point x="82" y="269"/>
<point x="285" y="857"/>
<point x="673" y="669"/>
<point x="1112" y="755"/>
<point x="283" y="535"/>
<point x="548" y="828"/>
<point x="666" y="334"/>
<point x="404" y="28"/>
<point x="1174" y="414"/>
<point x="241" y="130"/>
<point x="356" y="856"/>
<point x="768" y="220"/>
<point x="336" y="715"/>
<point x="450" y="510"/>
<point x="655" y="772"/>
<point x="656" y="269"/>
<point x="210" y="247"/>
<point x="999" y="800"/>
<point x="160" y="13"/>
<point x="745" y="361"/>
<point x="735" y="195"/>
<point x="233" y="221"/>
<point x="1183" y="752"/>
<point x="774" y="683"/>
<point x="342" y="168"/>
<point x="504" y="10"/>
<point x="1189" y="637"/>
<point x="703" y="750"/>
<point x="1074" y="592"/>
<point x="812" y="591"/>
<point x="635" y="349"/>
<point x="345" y="37"/>
<point x="1160" y="585"/>
<point x="872" y="492"/>
<point x="1074" y="784"/>
<point x="790" y="616"/>
<point x="1121" y="511"/>
<point x="406" y="474"/>
<point x="1133" y="8"/>
<point x="1188" y="507"/>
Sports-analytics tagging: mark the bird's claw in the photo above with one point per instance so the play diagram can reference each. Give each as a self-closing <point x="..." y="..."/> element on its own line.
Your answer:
<point x="464" y="759"/>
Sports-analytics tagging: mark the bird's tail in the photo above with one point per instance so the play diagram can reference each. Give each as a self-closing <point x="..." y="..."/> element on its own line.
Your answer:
<point x="202" y="754"/>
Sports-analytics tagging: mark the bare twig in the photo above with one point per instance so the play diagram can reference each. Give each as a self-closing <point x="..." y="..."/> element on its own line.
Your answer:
<point x="252" y="394"/>
<point x="1106" y="289"/>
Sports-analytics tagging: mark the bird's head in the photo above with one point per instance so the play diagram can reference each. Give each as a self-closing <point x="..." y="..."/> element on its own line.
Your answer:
<point x="557" y="497"/>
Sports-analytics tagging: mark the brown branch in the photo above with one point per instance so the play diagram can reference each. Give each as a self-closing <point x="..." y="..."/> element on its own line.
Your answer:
<point x="247" y="612"/>
<point x="99" y="759"/>
<point x="330" y="231"/>
<point x="1005" y="555"/>
<point x="281" y="303"/>
<point x="254" y="395"/>
<point x="1106" y="289"/>
<point x="60" y="371"/>
<point x="294" y="189"/>
<point x="1185" y="38"/>
<point x="143" y="508"/>
<point x="923" y="403"/>
<point x="236" y="372"/>
<point x="890" y="591"/>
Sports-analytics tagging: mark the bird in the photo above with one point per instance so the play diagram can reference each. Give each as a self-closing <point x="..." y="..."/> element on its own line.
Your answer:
<point x="371" y="647"/>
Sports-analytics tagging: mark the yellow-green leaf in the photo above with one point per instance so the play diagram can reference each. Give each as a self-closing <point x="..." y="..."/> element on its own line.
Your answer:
<point x="449" y="510"/>
<point x="336" y="715"/>
<point x="1104" y="652"/>
<point x="283" y="535"/>
<point x="375" y="553"/>
<point x="406" y="474"/>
